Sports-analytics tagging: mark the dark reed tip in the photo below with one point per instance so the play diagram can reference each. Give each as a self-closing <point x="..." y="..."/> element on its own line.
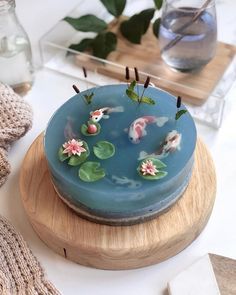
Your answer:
<point x="178" y="104"/>
<point x="76" y="89"/>
<point x="126" y="73"/>
<point x="85" y="72"/>
<point x="136" y="74"/>
<point x="147" y="82"/>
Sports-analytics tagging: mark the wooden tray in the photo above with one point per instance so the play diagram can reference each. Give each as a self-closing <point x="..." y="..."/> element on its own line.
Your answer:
<point x="195" y="88"/>
<point x="115" y="247"/>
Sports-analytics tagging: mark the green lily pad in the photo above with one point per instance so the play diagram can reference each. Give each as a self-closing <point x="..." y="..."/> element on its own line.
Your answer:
<point x="62" y="157"/>
<point x="159" y="165"/>
<point x="84" y="128"/>
<point x="91" y="171"/>
<point x="74" y="160"/>
<point x="104" y="150"/>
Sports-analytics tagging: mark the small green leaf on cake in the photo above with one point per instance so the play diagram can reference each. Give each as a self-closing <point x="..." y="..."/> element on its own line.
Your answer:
<point x="75" y="150"/>
<point x="88" y="98"/>
<point x="132" y="85"/>
<point x="104" y="150"/>
<point x="147" y="100"/>
<point x="76" y="160"/>
<point x="85" y="130"/>
<point x="132" y="95"/>
<point x="62" y="157"/>
<point x="150" y="169"/>
<point x="179" y="114"/>
<point x="91" y="171"/>
<point x="157" y="176"/>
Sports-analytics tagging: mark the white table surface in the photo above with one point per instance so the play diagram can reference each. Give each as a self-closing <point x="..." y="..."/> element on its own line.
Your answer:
<point x="50" y="90"/>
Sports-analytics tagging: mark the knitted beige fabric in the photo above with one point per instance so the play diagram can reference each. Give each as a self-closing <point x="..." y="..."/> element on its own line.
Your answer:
<point x="20" y="272"/>
<point x="15" y="121"/>
<point x="4" y="166"/>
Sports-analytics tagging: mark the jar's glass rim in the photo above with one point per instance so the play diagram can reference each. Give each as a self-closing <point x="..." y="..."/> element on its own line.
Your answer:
<point x="171" y="3"/>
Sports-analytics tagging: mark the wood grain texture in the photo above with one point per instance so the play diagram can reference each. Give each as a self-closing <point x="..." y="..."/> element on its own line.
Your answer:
<point x="225" y="273"/>
<point x="195" y="87"/>
<point x="115" y="247"/>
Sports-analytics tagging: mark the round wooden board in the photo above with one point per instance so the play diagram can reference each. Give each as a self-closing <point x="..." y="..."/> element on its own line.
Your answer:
<point x="115" y="247"/>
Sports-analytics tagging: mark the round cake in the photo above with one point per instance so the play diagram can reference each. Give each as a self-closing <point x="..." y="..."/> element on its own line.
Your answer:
<point x="120" y="154"/>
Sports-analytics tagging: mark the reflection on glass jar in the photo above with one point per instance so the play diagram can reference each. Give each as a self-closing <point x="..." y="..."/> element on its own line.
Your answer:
<point x="16" y="67"/>
<point x="188" y="33"/>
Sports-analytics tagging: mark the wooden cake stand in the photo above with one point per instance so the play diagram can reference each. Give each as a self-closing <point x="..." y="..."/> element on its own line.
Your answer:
<point x="115" y="247"/>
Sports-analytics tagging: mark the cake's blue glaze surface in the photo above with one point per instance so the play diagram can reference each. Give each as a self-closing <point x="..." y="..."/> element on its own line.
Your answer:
<point x="138" y="196"/>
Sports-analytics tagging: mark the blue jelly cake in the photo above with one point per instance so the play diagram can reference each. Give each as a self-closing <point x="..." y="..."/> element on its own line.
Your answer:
<point x="120" y="154"/>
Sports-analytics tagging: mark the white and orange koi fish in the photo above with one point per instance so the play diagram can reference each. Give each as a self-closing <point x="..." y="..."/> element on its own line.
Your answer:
<point x="138" y="128"/>
<point x="102" y="113"/>
<point x="170" y="145"/>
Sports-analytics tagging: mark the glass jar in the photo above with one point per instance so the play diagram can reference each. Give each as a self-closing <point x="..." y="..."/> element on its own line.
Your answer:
<point x="16" y="67"/>
<point x="188" y="33"/>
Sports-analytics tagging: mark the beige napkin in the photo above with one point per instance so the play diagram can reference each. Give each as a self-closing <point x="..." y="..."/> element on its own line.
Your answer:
<point x="20" y="271"/>
<point x="15" y="121"/>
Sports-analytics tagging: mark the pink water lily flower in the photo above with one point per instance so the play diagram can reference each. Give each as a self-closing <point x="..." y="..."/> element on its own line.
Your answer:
<point x="73" y="147"/>
<point x="147" y="167"/>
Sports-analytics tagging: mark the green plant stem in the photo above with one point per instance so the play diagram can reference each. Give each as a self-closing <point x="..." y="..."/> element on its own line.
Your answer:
<point x="140" y="100"/>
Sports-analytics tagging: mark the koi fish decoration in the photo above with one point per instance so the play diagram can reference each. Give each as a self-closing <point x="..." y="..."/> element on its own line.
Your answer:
<point x="138" y="128"/>
<point x="170" y="145"/>
<point x="103" y="113"/>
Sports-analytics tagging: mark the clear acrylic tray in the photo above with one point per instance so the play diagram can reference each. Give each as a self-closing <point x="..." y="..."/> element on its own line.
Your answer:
<point x="54" y="49"/>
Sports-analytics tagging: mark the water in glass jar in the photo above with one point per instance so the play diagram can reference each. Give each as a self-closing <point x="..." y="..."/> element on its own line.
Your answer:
<point x="15" y="61"/>
<point x="197" y="41"/>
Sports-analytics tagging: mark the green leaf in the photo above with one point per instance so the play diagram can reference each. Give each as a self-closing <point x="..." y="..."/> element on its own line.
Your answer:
<point x="83" y="45"/>
<point x="158" y="4"/>
<point x="62" y="157"/>
<point x="146" y="16"/>
<point x="156" y="26"/>
<point x="132" y="85"/>
<point x="179" y="114"/>
<point x="87" y="23"/>
<point x="132" y="95"/>
<point x="157" y="176"/>
<point x="91" y="171"/>
<point x="103" y="44"/>
<point x="84" y="128"/>
<point x="77" y="160"/>
<point x="115" y="7"/>
<point x="133" y="28"/>
<point x="88" y="97"/>
<point x="147" y="100"/>
<point x="104" y="150"/>
<point x="159" y="165"/>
